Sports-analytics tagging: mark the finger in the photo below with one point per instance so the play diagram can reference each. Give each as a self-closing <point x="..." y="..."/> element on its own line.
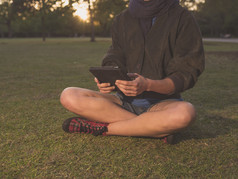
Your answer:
<point x="125" y="87"/>
<point x="107" y="90"/>
<point x="128" y="92"/>
<point x="130" y="95"/>
<point x="126" y="83"/>
<point x="111" y="88"/>
<point x="103" y="85"/>
<point x="96" y="80"/>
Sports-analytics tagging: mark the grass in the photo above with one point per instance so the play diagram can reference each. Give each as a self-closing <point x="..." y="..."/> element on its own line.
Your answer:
<point x="33" y="145"/>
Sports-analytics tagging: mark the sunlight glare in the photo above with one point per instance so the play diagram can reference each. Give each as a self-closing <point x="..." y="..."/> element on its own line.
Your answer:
<point x="81" y="9"/>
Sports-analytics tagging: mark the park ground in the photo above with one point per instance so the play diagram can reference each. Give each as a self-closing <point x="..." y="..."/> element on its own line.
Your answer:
<point x="33" y="145"/>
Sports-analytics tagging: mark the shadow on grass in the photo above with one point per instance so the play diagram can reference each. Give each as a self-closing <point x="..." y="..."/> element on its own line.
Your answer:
<point x="210" y="127"/>
<point x="215" y="98"/>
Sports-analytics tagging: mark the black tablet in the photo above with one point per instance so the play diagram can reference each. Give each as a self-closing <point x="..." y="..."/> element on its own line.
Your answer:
<point x="109" y="74"/>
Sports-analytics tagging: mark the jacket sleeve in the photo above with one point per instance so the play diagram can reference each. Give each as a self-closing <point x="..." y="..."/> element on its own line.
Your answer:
<point x="115" y="55"/>
<point x="188" y="60"/>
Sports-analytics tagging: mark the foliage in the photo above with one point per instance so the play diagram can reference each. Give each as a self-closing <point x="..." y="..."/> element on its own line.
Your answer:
<point x="8" y="12"/>
<point x="218" y="17"/>
<point x="106" y="10"/>
<point x="35" y="17"/>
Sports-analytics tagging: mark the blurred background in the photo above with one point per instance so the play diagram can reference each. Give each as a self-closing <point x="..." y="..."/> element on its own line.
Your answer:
<point x="36" y="65"/>
<point x="80" y="18"/>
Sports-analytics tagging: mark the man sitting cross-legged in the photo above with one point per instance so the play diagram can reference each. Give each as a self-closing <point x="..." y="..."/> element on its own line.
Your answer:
<point x="159" y="44"/>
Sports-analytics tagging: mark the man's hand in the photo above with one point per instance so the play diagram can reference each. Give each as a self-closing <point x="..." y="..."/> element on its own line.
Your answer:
<point x="135" y="87"/>
<point x="104" y="87"/>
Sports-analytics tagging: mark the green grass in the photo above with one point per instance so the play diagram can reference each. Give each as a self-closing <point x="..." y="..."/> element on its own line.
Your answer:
<point x="33" y="145"/>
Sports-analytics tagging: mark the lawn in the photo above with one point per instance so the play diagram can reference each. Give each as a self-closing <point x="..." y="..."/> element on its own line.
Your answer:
<point x="33" y="145"/>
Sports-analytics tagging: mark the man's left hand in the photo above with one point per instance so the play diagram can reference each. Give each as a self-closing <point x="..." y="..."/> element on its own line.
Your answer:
<point x="135" y="87"/>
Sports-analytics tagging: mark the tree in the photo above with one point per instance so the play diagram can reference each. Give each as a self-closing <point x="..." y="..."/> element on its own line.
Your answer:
<point x="7" y="14"/>
<point x="11" y="10"/>
<point x="106" y="10"/>
<point x="14" y="10"/>
<point x="217" y="17"/>
<point x="34" y="17"/>
<point x="91" y="20"/>
<point x="44" y="7"/>
<point x="61" y="21"/>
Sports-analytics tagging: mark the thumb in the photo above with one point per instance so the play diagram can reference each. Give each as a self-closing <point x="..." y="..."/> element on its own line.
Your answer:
<point x="96" y="80"/>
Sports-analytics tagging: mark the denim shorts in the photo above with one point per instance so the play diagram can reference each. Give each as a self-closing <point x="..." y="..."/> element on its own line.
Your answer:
<point x="139" y="106"/>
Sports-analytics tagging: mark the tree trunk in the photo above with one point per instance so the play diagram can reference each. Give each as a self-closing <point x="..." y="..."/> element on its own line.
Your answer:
<point x="9" y="27"/>
<point x="91" y="21"/>
<point x="43" y="27"/>
<point x="2" y="34"/>
<point x="43" y="20"/>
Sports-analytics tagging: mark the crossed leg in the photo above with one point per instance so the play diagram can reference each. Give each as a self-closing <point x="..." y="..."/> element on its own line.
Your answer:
<point x="162" y="119"/>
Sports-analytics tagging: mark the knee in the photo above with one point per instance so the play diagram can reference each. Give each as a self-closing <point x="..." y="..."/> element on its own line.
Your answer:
<point x="186" y="114"/>
<point x="67" y="97"/>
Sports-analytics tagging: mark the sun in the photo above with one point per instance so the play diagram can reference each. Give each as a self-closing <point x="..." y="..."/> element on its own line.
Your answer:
<point x="81" y="9"/>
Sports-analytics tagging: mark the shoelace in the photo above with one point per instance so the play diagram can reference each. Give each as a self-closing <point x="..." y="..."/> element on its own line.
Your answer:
<point x="95" y="130"/>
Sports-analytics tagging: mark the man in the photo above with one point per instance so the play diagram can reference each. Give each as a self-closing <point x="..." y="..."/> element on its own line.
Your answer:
<point x="159" y="44"/>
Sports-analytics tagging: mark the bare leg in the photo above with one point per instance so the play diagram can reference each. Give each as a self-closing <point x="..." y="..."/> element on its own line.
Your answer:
<point x="94" y="105"/>
<point x="163" y="119"/>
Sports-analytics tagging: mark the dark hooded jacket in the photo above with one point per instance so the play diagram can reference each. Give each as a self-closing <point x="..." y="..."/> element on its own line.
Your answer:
<point x="172" y="48"/>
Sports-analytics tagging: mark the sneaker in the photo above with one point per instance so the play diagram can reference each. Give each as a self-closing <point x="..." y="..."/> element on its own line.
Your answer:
<point x="78" y="125"/>
<point x="167" y="139"/>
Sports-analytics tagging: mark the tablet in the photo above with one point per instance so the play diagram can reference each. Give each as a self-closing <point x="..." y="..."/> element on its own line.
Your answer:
<point x="109" y="74"/>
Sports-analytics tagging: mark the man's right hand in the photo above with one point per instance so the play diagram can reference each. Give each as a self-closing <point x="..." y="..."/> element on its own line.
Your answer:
<point x="104" y="87"/>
